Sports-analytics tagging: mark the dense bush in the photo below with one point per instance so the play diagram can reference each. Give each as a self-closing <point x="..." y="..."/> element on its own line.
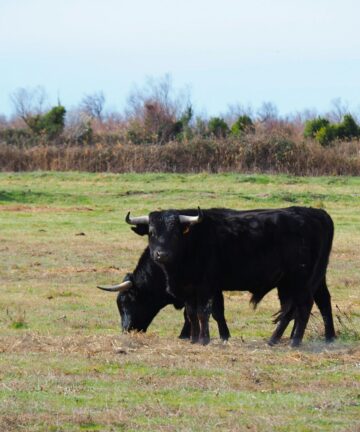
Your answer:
<point x="218" y="127"/>
<point x="18" y="137"/>
<point x="156" y="126"/>
<point x="50" y="124"/>
<point x="243" y="124"/>
<point x="348" y="128"/>
<point x="251" y="153"/>
<point x="313" y="126"/>
<point x="325" y="133"/>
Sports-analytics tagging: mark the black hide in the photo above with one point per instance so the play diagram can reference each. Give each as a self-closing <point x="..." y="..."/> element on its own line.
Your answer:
<point x="140" y="304"/>
<point x="253" y="251"/>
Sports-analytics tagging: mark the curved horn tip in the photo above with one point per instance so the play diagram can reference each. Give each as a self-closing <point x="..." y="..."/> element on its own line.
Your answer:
<point x="191" y="219"/>
<point x="123" y="286"/>
<point x="137" y="220"/>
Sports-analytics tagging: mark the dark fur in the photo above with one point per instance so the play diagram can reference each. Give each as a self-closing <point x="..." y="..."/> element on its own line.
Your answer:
<point x="139" y="305"/>
<point x="253" y="251"/>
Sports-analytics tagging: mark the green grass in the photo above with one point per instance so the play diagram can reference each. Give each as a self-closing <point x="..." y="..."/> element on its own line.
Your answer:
<point x="64" y="365"/>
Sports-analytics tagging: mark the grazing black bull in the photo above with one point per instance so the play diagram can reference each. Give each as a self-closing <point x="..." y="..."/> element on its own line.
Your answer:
<point x="143" y="294"/>
<point x="203" y="252"/>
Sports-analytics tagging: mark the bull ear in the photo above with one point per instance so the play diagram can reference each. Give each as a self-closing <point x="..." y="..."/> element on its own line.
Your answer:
<point x="141" y="229"/>
<point x="186" y="228"/>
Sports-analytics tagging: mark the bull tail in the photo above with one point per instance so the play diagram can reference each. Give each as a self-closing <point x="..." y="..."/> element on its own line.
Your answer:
<point x="256" y="299"/>
<point x="285" y="310"/>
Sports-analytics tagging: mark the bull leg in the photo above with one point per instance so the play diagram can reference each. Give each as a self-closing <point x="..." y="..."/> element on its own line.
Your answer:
<point x="286" y="315"/>
<point x="293" y="330"/>
<point x="194" y="322"/>
<point x="186" y="330"/>
<point x="323" y="302"/>
<point x="280" y="328"/>
<point x="302" y="314"/>
<point x="203" y="314"/>
<point x="219" y="317"/>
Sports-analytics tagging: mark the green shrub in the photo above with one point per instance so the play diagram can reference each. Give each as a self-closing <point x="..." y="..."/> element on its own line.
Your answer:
<point x="242" y="124"/>
<point x="326" y="134"/>
<point x="54" y="121"/>
<point x="183" y="125"/>
<point x="347" y="129"/>
<point x="51" y="123"/>
<point x="313" y="126"/>
<point x="218" y="127"/>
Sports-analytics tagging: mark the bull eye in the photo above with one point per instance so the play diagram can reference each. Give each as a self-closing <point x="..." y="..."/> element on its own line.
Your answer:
<point x="186" y="229"/>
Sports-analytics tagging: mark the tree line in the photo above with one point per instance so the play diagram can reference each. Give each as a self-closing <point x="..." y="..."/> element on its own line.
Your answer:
<point x="158" y="114"/>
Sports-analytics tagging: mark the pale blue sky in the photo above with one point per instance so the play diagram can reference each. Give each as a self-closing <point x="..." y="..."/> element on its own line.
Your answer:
<point x="297" y="54"/>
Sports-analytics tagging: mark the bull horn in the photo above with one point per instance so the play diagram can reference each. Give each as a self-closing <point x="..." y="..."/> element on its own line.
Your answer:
<point x="137" y="220"/>
<point x="124" y="286"/>
<point x="192" y="219"/>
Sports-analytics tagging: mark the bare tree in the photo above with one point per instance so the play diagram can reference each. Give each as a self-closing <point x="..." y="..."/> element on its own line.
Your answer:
<point x="357" y="114"/>
<point x="153" y="111"/>
<point x="339" y="109"/>
<point x="237" y="110"/>
<point x="78" y="126"/>
<point x="157" y="91"/>
<point x="93" y="105"/>
<point x="304" y="115"/>
<point x="3" y="122"/>
<point x="28" y="102"/>
<point x="268" y="112"/>
<point x="298" y="118"/>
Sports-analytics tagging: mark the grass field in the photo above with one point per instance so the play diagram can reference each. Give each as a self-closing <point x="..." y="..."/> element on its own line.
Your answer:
<point x="64" y="366"/>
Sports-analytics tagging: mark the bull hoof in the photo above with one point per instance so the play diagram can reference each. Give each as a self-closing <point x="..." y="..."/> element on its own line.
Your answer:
<point x="184" y="334"/>
<point x="204" y="341"/>
<point x="330" y="339"/>
<point x="273" y="341"/>
<point x="295" y="343"/>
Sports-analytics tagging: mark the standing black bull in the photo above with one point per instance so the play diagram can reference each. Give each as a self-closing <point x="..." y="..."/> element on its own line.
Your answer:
<point x="203" y="252"/>
<point x="143" y="294"/>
